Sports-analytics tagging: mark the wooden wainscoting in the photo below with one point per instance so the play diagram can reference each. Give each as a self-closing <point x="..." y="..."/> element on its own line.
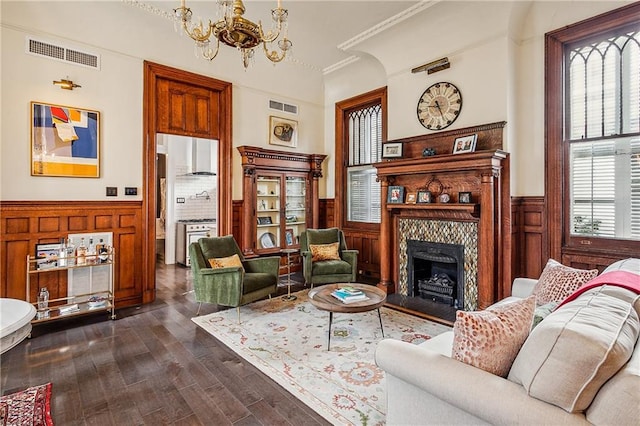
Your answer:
<point x="27" y="223"/>
<point x="528" y="230"/>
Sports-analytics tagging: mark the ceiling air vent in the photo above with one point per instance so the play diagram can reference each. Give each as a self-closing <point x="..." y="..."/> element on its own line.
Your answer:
<point x="62" y="53"/>
<point x="281" y="106"/>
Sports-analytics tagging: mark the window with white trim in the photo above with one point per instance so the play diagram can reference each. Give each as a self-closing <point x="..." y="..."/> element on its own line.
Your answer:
<point x="365" y="148"/>
<point x="603" y="135"/>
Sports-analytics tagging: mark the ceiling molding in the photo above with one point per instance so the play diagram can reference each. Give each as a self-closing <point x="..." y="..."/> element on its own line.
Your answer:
<point x="343" y="63"/>
<point x="387" y="23"/>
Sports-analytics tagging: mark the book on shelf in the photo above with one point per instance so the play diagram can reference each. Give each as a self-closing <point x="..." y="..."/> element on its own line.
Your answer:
<point x="349" y="298"/>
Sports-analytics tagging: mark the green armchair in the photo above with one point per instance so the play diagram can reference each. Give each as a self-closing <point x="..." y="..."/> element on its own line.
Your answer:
<point x="232" y="285"/>
<point x="343" y="270"/>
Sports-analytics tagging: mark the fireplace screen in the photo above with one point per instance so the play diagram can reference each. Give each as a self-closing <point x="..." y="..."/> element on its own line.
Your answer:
<point x="436" y="272"/>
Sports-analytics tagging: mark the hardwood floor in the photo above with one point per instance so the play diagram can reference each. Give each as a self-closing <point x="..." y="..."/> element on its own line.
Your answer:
<point x="151" y="366"/>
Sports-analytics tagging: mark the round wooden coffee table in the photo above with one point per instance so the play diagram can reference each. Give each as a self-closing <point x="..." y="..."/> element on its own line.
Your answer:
<point x="322" y="299"/>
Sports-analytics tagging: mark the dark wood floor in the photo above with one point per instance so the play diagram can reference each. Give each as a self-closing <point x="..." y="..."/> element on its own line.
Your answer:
<point x="151" y="366"/>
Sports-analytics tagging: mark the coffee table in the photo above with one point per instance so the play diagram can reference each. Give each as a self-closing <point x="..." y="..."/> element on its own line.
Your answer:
<point x="322" y="299"/>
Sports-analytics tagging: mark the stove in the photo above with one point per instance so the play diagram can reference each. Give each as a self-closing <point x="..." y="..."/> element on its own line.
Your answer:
<point x="189" y="231"/>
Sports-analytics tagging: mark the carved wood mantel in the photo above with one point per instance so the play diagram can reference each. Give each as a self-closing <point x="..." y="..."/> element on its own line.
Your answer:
<point x="486" y="175"/>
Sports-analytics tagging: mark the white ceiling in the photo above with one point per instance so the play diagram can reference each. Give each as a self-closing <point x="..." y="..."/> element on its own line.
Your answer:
<point x="316" y="28"/>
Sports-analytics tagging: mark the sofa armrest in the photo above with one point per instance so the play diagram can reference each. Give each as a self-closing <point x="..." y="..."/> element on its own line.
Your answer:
<point x="523" y="287"/>
<point x="472" y="390"/>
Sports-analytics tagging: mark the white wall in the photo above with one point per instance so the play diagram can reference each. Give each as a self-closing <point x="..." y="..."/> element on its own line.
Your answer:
<point x="496" y="50"/>
<point x="124" y="36"/>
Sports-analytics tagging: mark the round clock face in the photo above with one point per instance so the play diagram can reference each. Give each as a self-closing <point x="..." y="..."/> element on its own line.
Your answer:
<point x="439" y="106"/>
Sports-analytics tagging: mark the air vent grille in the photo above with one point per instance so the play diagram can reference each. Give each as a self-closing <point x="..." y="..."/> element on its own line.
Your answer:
<point x="281" y="106"/>
<point x="62" y="53"/>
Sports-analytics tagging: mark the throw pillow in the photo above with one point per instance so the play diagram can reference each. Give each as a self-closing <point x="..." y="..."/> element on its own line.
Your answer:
<point x="324" y="252"/>
<point x="558" y="281"/>
<point x="576" y="349"/>
<point x="490" y="339"/>
<point x="542" y="312"/>
<point x="225" y="262"/>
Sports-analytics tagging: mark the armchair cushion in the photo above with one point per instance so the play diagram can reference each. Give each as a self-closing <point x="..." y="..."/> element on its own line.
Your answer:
<point x="324" y="251"/>
<point x="323" y="236"/>
<point x="224" y="262"/>
<point x="330" y="267"/>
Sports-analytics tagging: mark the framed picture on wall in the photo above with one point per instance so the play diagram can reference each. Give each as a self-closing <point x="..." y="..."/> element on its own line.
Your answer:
<point x="65" y="141"/>
<point x="288" y="236"/>
<point x="283" y="131"/>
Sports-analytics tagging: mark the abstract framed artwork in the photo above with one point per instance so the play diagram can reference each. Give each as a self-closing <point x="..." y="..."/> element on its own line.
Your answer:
<point x="65" y="141"/>
<point x="283" y="132"/>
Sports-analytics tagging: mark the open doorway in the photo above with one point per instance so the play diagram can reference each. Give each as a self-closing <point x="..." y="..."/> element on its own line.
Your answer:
<point x="188" y="197"/>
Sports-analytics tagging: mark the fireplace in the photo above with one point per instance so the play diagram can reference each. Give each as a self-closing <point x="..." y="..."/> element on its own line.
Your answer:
<point x="435" y="272"/>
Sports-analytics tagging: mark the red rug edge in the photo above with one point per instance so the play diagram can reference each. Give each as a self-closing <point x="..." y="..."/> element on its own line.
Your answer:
<point x="48" y="419"/>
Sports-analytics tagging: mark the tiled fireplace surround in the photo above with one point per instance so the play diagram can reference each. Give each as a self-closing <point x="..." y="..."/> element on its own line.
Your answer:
<point x="482" y="225"/>
<point x="441" y="231"/>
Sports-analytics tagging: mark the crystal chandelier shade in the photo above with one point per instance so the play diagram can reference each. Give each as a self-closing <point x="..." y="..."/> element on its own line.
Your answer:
<point x="236" y="31"/>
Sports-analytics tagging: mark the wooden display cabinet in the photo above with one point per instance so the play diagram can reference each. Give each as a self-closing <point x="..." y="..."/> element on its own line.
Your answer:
<point x="280" y="198"/>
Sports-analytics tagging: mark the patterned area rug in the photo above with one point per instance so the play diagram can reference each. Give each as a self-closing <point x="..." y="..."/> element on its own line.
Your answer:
<point x="288" y="342"/>
<point x="30" y="407"/>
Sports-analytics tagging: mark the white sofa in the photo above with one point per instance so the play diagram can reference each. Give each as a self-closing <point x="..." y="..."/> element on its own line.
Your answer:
<point x="426" y="386"/>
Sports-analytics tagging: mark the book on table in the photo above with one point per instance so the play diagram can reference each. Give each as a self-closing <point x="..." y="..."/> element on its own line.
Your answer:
<point x="349" y="298"/>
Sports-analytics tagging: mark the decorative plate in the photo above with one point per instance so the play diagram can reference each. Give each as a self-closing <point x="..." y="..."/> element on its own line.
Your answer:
<point x="268" y="240"/>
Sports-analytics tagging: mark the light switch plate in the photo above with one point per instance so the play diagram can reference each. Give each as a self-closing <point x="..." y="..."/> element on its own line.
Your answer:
<point x="112" y="191"/>
<point x="128" y="190"/>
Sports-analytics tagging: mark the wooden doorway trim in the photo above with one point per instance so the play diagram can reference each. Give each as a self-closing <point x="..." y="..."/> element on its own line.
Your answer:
<point x="152" y="74"/>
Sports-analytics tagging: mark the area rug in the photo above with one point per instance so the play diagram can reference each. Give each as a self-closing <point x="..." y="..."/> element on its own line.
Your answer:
<point x="30" y="407"/>
<point x="287" y="340"/>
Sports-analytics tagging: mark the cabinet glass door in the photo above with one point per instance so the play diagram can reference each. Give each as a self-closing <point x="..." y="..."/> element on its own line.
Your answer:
<point x="295" y="209"/>
<point x="268" y="212"/>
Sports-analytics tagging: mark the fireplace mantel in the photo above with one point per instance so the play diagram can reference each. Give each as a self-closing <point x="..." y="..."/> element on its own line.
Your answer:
<point x="485" y="174"/>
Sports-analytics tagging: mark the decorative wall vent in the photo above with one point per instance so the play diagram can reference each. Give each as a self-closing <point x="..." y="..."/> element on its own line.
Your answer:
<point x="281" y="106"/>
<point x="62" y="53"/>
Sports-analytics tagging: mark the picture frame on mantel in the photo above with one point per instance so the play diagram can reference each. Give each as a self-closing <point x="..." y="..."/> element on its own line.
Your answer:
<point x="395" y="195"/>
<point x="392" y="150"/>
<point x="65" y="141"/>
<point x="283" y="132"/>
<point x="465" y="144"/>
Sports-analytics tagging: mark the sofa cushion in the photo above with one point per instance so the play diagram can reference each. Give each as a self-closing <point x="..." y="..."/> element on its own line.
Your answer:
<point x="225" y="262"/>
<point x="618" y="400"/>
<point x="558" y="281"/>
<point x="542" y="312"/>
<point x="324" y="251"/>
<point x="491" y="339"/>
<point x="576" y="349"/>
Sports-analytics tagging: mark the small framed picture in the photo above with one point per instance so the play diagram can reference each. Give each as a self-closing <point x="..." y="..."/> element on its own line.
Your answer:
<point x="464" y="197"/>
<point x="465" y="144"/>
<point x="264" y="220"/>
<point x="411" y="198"/>
<point x="395" y="195"/>
<point x="424" y="197"/>
<point x="283" y="131"/>
<point x="47" y="255"/>
<point x="288" y="236"/>
<point x="392" y="150"/>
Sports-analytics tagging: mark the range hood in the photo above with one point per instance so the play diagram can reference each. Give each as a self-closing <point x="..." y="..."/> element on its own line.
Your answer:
<point x="202" y="158"/>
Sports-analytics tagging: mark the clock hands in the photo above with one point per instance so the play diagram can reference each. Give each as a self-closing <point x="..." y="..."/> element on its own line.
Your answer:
<point x="439" y="109"/>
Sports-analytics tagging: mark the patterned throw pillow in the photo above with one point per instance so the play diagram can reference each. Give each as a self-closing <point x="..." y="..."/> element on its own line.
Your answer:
<point x="225" y="262"/>
<point x="324" y="252"/>
<point x="491" y="339"/>
<point x="558" y="281"/>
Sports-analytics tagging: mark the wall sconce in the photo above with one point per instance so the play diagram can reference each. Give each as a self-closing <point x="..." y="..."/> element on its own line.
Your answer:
<point x="435" y="66"/>
<point x="66" y="84"/>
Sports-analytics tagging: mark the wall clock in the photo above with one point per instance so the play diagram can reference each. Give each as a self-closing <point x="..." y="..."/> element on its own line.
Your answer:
<point x="439" y="106"/>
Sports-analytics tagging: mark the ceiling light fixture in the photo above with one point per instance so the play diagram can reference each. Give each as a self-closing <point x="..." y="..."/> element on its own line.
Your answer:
<point x="66" y="84"/>
<point x="235" y="31"/>
<point x="435" y="66"/>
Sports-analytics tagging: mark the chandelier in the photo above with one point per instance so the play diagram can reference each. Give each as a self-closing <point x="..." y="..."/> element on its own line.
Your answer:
<point x="235" y="31"/>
